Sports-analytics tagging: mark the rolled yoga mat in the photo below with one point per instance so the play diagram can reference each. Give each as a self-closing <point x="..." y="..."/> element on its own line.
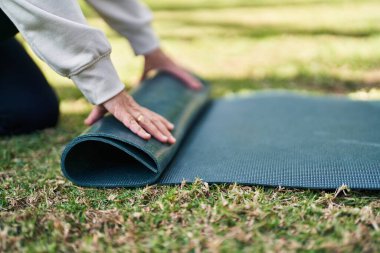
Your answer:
<point x="268" y="138"/>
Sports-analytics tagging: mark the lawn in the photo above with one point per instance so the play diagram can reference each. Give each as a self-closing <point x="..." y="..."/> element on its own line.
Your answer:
<point x="320" y="46"/>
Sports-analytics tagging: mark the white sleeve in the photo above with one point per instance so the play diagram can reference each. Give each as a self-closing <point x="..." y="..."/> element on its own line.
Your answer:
<point x="58" y="33"/>
<point x="132" y="20"/>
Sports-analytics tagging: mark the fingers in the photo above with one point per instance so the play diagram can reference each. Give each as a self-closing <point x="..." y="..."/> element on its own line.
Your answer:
<point x="130" y="122"/>
<point x="160" y="125"/>
<point x="166" y="122"/>
<point x="139" y="120"/>
<point x="188" y="79"/>
<point x="153" y="125"/>
<point x="96" y="114"/>
<point x="158" y="60"/>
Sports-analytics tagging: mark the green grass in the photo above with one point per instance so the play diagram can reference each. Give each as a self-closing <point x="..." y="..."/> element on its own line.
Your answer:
<point x="318" y="46"/>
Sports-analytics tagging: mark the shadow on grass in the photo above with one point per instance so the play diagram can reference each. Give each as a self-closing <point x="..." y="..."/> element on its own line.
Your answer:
<point x="302" y="81"/>
<point x="266" y="30"/>
<point x="321" y="82"/>
<point x="188" y="6"/>
<point x="218" y="5"/>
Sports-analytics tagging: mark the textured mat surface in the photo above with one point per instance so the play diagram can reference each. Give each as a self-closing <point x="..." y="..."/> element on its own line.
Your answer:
<point x="271" y="139"/>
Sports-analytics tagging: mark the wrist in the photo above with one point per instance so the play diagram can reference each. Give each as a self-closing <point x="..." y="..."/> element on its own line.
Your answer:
<point x="99" y="81"/>
<point x="154" y="54"/>
<point x="157" y="59"/>
<point x="115" y="98"/>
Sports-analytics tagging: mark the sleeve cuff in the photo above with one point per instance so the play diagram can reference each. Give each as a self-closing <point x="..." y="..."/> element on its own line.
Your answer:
<point x="99" y="82"/>
<point x="143" y="40"/>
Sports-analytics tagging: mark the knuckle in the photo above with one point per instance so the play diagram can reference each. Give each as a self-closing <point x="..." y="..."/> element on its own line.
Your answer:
<point x="142" y="121"/>
<point x="133" y="106"/>
<point x="154" y="130"/>
<point x="136" y="128"/>
<point x="141" y="131"/>
<point x="156" y="122"/>
<point x="129" y="119"/>
<point x="130" y="99"/>
<point x="117" y="113"/>
<point x="145" y="120"/>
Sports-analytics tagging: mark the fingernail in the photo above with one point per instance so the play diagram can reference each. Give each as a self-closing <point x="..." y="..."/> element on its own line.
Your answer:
<point x="165" y="138"/>
<point x="172" y="139"/>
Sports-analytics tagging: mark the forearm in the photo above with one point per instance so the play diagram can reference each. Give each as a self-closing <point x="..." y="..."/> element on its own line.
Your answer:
<point x="57" y="32"/>
<point x="132" y="20"/>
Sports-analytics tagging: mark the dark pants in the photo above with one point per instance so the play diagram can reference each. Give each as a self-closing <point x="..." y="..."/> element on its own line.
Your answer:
<point x="27" y="102"/>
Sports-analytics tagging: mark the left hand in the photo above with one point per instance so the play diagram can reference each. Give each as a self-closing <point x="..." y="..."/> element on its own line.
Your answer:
<point x="157" y="60"/>
<point x="139" y="120"/>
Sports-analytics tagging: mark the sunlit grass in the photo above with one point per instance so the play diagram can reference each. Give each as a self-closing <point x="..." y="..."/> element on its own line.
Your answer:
<point x="372" y="94"/>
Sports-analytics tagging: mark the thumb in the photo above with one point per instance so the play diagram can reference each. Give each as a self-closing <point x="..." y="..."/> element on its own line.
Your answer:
<point x="96" y="114"/>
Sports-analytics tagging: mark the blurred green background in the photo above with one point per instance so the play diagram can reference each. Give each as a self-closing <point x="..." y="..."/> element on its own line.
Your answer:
<point x="323" y="46"/>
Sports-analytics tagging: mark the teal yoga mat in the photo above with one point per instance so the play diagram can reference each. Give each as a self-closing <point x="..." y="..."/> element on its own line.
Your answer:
<point x="266" y="138"/>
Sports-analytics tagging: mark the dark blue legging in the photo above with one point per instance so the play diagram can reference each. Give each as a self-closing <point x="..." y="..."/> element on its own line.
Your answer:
<point x="27" y="102"/>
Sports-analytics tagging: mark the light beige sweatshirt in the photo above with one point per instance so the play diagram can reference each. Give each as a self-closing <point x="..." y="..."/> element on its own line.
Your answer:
<point x="58" y="33"/>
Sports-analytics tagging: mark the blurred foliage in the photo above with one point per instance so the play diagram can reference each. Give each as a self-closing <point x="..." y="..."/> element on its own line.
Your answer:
<point x="315" y="45"/>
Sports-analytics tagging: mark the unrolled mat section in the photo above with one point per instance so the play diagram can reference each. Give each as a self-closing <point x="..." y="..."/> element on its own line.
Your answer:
<point x="266" y="138"/>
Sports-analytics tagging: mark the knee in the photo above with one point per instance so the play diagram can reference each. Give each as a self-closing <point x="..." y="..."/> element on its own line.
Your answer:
<point x="30" y="113"/>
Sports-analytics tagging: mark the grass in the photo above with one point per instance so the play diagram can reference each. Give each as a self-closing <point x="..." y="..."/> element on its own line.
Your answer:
<point x="318" y="45"/>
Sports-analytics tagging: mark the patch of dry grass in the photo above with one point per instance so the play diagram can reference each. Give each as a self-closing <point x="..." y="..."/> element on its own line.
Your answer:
<point x="197" y="217"/>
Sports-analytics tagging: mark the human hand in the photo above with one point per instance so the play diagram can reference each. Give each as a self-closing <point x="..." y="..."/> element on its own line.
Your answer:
<point x="157" y="60"/>
<point x="138" y="119"/>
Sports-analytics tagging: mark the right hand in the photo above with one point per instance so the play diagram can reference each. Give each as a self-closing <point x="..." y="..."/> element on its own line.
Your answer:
<point x="138" y="119"/>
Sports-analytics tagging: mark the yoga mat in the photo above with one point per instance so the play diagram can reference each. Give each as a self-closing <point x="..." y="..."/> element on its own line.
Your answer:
<point x="265" y="138"/>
